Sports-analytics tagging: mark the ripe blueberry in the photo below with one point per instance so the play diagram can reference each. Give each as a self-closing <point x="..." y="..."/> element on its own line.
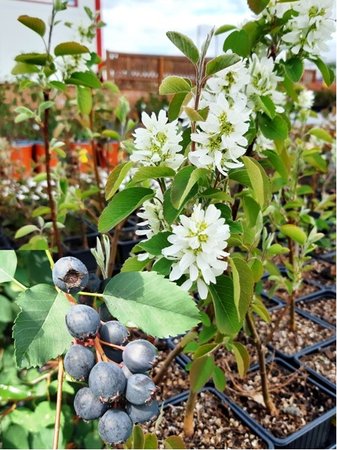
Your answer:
<point x="143" y="413"/>
<point x="115" y="426"/>
<point x="126" y="371"/>
<point x="87" y="406"/>
<point x="139" y="389"/>
<point x="113" y="332"/>
<point x="79" y="361"/>
<point x="139" y="356"/>
<point x="107" y="381"/>
<point x="70" y="275"/>
<point x="82" y="321"/>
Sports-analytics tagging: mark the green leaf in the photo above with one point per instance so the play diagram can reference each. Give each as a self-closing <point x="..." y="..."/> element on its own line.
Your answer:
<point x="267" y="105"/>
<point x="205" y="349"/>
<point x="259" y="181"/>
<point x="220" y="62"/>
<point x="243" y="283"/>
<point x="158" y="306"/>
<point x="277" y="163"/>
<point x="294" y="232"/>
<point x="87" y="79"/>
<point x="26" y="229"/>
<point x="8" y="263"/>
<point x="38" y="59"/>
<point x="275" y="129"/>
<point x="22" y="68"/>
<point x="121" y="206"/>
<point x="226" y="314"/>
<point x="156" y="243"/>
<point x="13" y="393"/>
<point x="137" y="437"/>
<point x="242" y="358"/>
<point x="132" y="264"/>
<point x="150" y="441"/>
<point x="260" y="309"/>
<point x="112" y="134"/>
<point x="257" y="6"/>
<point x="183" y="183"/>
<point x="174" y="85"/>
<point x="40" y="333"/>
<point x="163" y="266"/>
<point x="327" y="73"/>
<point x="277" y="249"/>
<point x="41" y="211"/>
<point x="294" y="68"/>
<point x="185" y="45"/>
<point x="224" y="29"/>
<point x="193" y="115"/>
<point x="239" y="42"/>
<point x="70" y="48"/>
<point x="116" y="178"/>
<point x="321" y="134"/>
<point x="84" y="100"/>
<point x="175" y="106"/>
<point x="15" y="436"/>
<point x="146" y="173"/>
<point x="174" y="442"/>
<point x="6" y="310"/>
<point x="201" y="371"/>
<point x="219" y="379"/>
<point x="34" y="23"/>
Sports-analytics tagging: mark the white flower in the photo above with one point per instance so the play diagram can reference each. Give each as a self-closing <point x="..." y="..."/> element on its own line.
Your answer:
<point x="158" y="143"/>
<point x="221" y="140"/>
<point x="231" y="80"/>
<point x="311" y="26"/>
<point x="152" y="215"/>
<point x="197" y="247"/>
<point x="264" y="82"/>
<point x="306" y="99"/>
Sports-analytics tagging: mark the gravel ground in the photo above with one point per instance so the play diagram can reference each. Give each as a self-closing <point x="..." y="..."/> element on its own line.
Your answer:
<point x="307" y="333"/>
<point x="324" y="308"/>
<point x="305" y="289"/>
<point x="323" y="272"/>
<point x="323" y="361"/>
<point x="215" y="426"/>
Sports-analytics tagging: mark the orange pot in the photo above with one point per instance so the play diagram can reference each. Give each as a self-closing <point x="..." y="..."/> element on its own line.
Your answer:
<point x="84" y="155"/>
<point x="40" y="158"/>
<point x="21" y="159"/>
<point x="112" y="155"/>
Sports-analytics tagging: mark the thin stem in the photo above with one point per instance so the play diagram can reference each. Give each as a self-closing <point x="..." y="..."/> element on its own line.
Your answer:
<point x="167" y="362"/>
<point x="118" y="347"/>
<point x="188" y="420"/>
<point x="90" y="294"/>
<point x="262" y="366"/>
<point x="95" y="160"/>
<point x="18" y="283"/>
<point x="50" y="258"/>
<point x="100" y="350"/>
<point x="58" y="404"/>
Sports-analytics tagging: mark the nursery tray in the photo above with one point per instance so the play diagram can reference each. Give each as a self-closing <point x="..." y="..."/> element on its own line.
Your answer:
<point x="319" y="433"/>
<point x="312" y="298"/>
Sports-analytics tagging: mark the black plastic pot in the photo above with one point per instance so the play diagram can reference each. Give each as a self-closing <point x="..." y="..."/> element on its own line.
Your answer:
<point x="315" y="375"/>
<point x="74" y="243"/>
<point x="329" y="257"/>
<point x="4" y="242"/>
<point x="180" y="398"/>
<point x="315" y="296"/>
<point x="320" y="433"/>
<point x="304" y="350"/>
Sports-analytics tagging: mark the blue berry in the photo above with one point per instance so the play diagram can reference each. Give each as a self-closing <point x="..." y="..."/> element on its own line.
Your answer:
<point x="87" y="406"/>
<point x="115" y="427"/>
<point x="139" y="389"/>
<point x="107" y="381"/>
<point x="82" y="322"/>
<point x="78" y="362"/>
<point x="126" y="371"/>
<point x="70" y="275"/>
<point x="114" y="332"/>
<point x="143" y="413"/>
<point x="139" y="356"/>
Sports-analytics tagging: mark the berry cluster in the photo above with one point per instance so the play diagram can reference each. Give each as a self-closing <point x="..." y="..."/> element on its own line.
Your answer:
<point x="120" y="392"/>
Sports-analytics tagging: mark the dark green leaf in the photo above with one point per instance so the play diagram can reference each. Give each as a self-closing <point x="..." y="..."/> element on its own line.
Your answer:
<point x="116" y="178"/>
<point x="219" y="379"/>
<point x="327" y="73"/>
<point x="163" y="266"/>
<point x="220" y="62"/>
<point x="294" y="68"/>
<point x="132" y="264"/>
<point x="88" y="79"/>
<point x="243" y="283"/>
<point x="156" y="243"/>
<point x="38" y="59"/>
<point x="34" y="23"/>
<point x="175" y="106"/>
<point x="224" y="29"/>
<point x="146" y="173"/>
<point x="239" y="42"/>
<point x="257" y="6"/>
<point x="70" y="48"/>
<point x="183" y="183"/>
<point x="121" y="206"/>
<point x="275" y="129"/>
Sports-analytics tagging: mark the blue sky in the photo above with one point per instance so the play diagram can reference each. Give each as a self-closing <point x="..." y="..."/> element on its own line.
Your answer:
<point x="139" y="26"/>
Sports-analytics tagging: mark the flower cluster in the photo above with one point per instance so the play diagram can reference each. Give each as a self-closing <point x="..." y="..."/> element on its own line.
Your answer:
<point x="158" y="143"/>
<point x="310" y="27"/>
<point x="198" y="244"/>
<point x="152" y="215"/>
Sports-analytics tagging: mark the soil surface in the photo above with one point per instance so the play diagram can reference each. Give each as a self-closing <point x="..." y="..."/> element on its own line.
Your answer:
<point x="298" y="402"/>
<point x="215" y="426"/>
<point x="324" y="308"/>
<point x="307" y="332"/>
<point x="323" y="272"/>
<point x="323" y="361"/>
